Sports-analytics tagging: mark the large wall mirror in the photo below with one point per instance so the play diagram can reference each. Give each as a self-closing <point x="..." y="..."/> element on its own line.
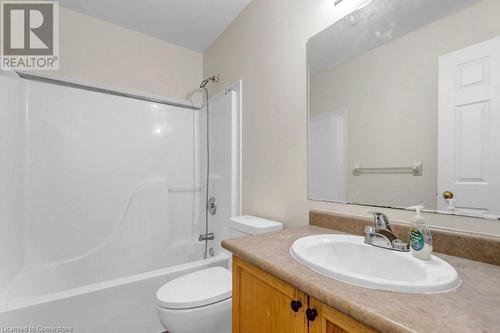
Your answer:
<point x="404" y="107"/>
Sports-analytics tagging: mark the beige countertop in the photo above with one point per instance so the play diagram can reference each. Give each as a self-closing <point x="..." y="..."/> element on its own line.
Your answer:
<point x="473" y="307"/>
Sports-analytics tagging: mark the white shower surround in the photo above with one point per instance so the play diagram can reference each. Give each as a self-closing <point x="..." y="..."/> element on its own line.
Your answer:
<point x="109" y="193"/>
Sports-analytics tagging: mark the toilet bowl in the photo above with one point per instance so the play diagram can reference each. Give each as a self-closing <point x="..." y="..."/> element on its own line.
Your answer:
<point x="197" y="302"/>
<point x="201" y="301"/>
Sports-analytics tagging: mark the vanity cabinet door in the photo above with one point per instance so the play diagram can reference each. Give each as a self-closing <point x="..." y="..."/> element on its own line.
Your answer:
<point x="329" y="320"/>
<point x="262" y="303"/>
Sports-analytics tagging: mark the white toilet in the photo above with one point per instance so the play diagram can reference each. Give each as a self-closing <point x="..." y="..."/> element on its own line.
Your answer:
<point x="201" y="301"/>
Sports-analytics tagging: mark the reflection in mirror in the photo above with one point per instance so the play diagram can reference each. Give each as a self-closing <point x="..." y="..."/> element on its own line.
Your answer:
<point x="404" y="107"/>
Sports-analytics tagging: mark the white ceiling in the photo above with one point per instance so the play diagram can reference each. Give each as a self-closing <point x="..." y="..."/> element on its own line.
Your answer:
<point x="194" y="24"/>
<point x="375" y="24"/>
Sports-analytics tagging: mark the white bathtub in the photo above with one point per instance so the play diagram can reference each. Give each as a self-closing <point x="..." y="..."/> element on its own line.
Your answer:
<point x="124" y="305"/>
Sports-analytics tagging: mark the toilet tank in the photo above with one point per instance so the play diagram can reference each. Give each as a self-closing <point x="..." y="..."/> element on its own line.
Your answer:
<point x="250" y="225"/>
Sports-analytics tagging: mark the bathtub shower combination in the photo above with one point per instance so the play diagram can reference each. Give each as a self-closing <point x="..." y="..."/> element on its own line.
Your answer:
<point x="103" y="201"/>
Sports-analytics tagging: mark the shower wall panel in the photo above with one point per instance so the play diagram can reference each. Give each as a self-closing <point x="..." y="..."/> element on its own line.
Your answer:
<point x="109" y="186"/>
<point x="11" y="227"/>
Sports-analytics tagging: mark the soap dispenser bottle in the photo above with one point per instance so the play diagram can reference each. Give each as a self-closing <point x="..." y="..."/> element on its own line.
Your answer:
<point x="420" y="235"/>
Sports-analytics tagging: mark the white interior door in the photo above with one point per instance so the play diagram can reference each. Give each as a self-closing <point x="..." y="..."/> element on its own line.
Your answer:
<point x="469" y="128"/>
<point x="327" y="150"/>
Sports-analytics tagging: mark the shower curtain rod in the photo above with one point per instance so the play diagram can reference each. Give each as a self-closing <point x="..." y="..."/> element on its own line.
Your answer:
<point x="121" y="93"/>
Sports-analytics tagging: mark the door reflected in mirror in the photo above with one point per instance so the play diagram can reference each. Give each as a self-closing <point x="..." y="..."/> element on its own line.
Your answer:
<point x="404" y="107"/>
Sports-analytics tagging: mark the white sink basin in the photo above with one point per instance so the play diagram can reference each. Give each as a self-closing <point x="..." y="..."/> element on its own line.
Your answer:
<point x="348" y="259"/>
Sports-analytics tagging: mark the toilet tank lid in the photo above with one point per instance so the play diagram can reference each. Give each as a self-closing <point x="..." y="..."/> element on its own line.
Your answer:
<point x="254" y="225"/>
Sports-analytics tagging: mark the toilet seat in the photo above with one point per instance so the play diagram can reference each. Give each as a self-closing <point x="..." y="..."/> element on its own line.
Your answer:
<point x="196" y="289"/>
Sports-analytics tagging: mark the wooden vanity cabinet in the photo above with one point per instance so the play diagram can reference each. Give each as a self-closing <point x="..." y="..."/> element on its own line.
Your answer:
<point x="263" y="303"/>
<point x="330" y="320"/>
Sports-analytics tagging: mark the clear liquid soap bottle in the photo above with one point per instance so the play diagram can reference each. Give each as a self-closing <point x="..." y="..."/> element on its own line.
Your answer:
<point x="420" y="235"/>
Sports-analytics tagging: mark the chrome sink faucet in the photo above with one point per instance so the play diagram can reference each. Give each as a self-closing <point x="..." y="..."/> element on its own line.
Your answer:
<point x="381" y="234"/>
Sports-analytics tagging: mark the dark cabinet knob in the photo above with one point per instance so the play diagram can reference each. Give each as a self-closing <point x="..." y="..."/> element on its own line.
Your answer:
<point x="311" y="314"/>
<point x="295" y="305"/>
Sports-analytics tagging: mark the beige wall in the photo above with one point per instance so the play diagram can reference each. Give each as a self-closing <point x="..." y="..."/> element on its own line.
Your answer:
<point x="98" y="52"/>
<point x="391" y="94"/>
<point x="266" y="47"/>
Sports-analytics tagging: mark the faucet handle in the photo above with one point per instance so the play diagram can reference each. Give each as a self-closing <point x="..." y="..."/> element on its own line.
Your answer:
<point x="381" y="220"/>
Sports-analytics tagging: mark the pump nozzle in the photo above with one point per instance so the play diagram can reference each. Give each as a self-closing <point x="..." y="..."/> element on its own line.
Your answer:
<point x="418" y="209"/>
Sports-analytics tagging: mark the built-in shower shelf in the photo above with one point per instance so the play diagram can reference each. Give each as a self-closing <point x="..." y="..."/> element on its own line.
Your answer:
<point x="184" y="189"/>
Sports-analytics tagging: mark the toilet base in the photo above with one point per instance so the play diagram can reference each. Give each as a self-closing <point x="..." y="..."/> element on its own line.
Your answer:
<point x="213" y="318"/>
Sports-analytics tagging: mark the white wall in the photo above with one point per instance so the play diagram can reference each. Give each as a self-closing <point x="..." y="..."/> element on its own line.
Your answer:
<point x="391" y="93"/>
<point x="11" y="227"/>
<point x="266" y="47"/>
<point x="98" y="52"/>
